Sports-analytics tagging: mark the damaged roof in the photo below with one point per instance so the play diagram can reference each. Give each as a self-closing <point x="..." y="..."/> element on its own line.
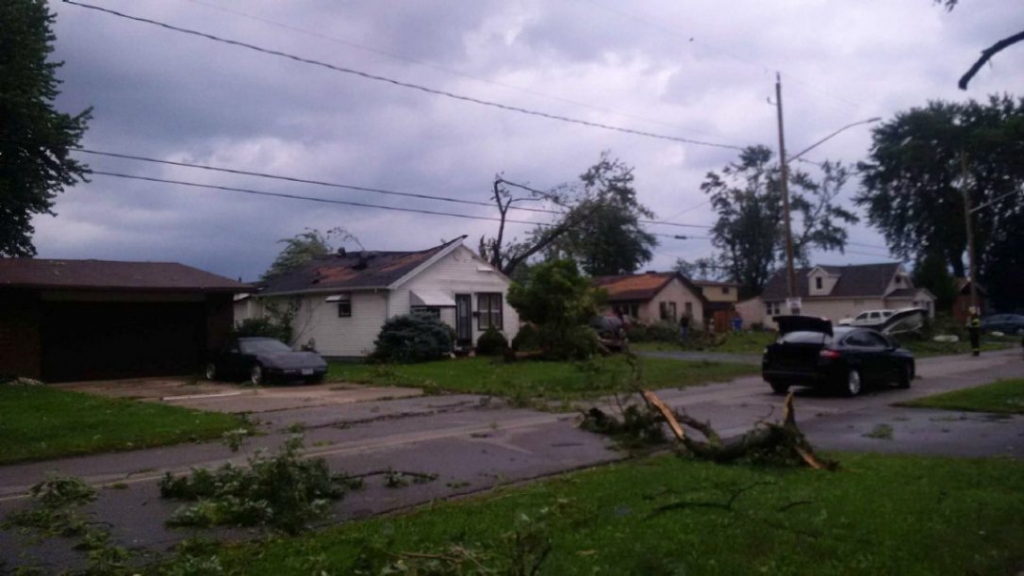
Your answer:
<point x="352" y="270"/>
<point x="33" y="273"/>
<point x="640" y="287"/>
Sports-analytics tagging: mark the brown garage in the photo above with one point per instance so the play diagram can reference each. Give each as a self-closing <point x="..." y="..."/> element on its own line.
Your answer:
<point x="63" y="320"/>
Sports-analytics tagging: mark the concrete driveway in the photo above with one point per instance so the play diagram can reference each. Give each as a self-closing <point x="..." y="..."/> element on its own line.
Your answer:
<point x="236" y="398"/>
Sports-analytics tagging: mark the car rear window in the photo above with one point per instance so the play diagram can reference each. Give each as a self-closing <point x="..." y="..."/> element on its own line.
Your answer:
<point x="806" y="338"/>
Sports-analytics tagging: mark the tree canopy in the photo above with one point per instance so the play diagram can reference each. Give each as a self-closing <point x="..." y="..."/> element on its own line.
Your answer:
<point x="749" y="234"/>
<point x="35" y="139"/>
<point x="913" y="181"/>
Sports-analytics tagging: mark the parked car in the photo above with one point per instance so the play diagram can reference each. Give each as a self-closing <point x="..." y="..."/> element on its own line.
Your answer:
<point x="868" y="318"/>
<point x="1005" y="323"/>
<point x="811" y="352"/>
<point x="264" y="359"/>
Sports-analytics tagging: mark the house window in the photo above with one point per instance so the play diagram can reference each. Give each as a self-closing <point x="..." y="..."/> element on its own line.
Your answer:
<point x="489" y="311"/>
<point x="773" y="308"/>
<point x="899" y="280"/>
<point x="817" y="282"/>
<point x="432" y="311"/>
<point x="667" y="311"/>
<point x="344" y="302"/>
<point x="689" y="309"/>
<point x="725" y="289"/>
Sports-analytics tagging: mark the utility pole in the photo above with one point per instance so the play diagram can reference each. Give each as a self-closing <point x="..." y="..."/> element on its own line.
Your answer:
<point x="972" y="270"/>
<point x="791" y="286"/>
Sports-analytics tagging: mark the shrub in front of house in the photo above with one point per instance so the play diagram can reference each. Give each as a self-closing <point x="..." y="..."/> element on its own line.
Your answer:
<point x="491" y="343"/>
<point x="567" y="343"/>
<point x="527" y="339"/>
<point x="412" y="338"/>
<point x="264" y="328"/>
<point x="659" y="332"/>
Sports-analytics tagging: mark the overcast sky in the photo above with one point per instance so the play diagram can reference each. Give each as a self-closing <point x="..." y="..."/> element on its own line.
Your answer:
<point x="692" y="70"/>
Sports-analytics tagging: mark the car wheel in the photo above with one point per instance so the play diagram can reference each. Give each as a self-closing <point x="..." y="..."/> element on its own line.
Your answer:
<point x="256" y="375"/>
<point x="906" y="375"/>
<point x="779" y="387"/>
<point x="211" y="371"/>
<point x="853" y="383"/>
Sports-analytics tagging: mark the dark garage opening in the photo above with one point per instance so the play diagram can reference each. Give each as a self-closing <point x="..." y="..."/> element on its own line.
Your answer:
<point x="105" y="340"/>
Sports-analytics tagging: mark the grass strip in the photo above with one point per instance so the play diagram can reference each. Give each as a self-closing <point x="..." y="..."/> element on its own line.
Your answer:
<point x="537" y="379"/>
<point x="41" y="422"/>
<point x="1002" y="397"/>
<point x="880" y="514"/>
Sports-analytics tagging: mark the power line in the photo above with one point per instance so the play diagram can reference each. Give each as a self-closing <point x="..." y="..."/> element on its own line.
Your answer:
<point x="402" y="84"/>
<point x="341" y="202"/>
<point x="444" y="69"/>
<point x="350" y="186"/>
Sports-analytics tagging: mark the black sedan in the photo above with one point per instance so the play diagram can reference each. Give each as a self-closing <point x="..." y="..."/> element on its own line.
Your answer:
<point x="1005" y="323"/>
<point x="264" y="359"/>
<point x="811" y="352"/>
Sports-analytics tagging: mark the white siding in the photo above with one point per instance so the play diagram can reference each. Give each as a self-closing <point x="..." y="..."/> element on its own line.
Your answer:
<point x="460" y="272"/>
<point x="317" y="320"/>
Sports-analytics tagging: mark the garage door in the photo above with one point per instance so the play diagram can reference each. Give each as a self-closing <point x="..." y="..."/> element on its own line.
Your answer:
<point x="99" y="340"/>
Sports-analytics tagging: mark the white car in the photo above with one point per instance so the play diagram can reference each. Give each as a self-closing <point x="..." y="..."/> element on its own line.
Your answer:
<point x="868" y="318"/>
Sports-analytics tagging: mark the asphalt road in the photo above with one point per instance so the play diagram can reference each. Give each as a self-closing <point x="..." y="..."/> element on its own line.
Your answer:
<point x="475" y="443"/>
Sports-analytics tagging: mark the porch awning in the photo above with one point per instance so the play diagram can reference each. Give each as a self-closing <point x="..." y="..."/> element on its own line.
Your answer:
<point x="432" y="298"/>
<point x="339" y="298"/>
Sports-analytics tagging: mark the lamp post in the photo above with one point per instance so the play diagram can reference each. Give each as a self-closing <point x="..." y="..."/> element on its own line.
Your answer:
<point x="791" y="286"/>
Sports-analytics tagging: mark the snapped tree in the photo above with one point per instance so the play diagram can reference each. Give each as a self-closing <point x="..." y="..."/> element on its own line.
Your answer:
<point x="35" y="139"/>
<point x="599" y="226"/>
<point x="749" y="233"/>
<point x="304" y="247"/>
<point x="914" y="179"/>
<point x="987" y="53"/>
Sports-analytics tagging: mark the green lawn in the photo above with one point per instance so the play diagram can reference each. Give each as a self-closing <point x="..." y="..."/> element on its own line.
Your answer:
<point x="745" y="342"/>
<point x="41" y="422"/>
<point x="926" y="348"/>
<point x="878" y="515"/>
<point x="537" y="379"/>
<point x="1002" y="397"/>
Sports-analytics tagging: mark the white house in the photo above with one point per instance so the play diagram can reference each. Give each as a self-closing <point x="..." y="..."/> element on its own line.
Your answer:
<point x="341" y="301"/>
<point x="837" y="292"/>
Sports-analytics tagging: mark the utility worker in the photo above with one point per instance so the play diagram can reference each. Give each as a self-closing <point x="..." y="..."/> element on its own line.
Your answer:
<point x="974" y="329"/>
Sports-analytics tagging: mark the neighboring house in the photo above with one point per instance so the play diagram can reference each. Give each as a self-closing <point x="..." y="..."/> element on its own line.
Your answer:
<point x="653" y="297"/>
<point x="721" y="307"/>
<point x="837" y="292"/>
<point x="63" y="320"/>
<point x="341" y="301"/>
<point x="962" y="304"/>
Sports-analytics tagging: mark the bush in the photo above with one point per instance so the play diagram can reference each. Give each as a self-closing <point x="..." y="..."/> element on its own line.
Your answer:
<point x="491" y="343"/>
<point x="660" y="332"/>
<point x="263" y="327"/>
<point x="571" y="343"/>
<point x="412" y="338"/>
<point x="527" y="339"/>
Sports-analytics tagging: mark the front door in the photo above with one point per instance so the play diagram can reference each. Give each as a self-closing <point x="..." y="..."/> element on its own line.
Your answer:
<point x="463" y="319"/>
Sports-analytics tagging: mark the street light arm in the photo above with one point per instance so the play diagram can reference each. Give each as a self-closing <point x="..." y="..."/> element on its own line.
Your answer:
<point x="830" y="136"/>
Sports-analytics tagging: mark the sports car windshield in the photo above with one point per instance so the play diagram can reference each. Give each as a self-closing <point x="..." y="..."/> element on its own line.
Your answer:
<point x="263" y="346"/>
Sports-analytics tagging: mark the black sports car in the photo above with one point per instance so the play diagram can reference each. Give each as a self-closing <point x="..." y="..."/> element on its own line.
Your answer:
<point x="264" y="359"/>
<point x="811" y="352"/>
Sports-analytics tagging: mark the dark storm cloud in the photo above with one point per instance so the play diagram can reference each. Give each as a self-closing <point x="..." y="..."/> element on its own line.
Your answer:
<point x="163" y="94"/>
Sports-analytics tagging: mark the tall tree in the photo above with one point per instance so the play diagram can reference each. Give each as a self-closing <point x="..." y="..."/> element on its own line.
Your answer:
<point x="599" y="226"/>
<point x="916" y="173"/>
<point x="607" y="238"/>
<point x="749" y="233"/>
<point x="35" y="139"/>
<point x="931" y="271"/>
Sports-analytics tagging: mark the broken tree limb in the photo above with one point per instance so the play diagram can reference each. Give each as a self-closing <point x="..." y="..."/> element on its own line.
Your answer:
<point x="666" y="413"/>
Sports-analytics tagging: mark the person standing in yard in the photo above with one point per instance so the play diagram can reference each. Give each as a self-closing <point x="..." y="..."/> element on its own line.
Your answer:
<point x="684" y="327"/>
<point x="974" y="330"/>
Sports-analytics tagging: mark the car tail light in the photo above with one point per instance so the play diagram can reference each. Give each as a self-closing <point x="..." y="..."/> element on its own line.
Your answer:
<point x="829" y="354"/>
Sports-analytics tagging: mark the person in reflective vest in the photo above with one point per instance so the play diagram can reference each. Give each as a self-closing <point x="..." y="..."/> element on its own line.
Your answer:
<point x="974" y="329"/>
